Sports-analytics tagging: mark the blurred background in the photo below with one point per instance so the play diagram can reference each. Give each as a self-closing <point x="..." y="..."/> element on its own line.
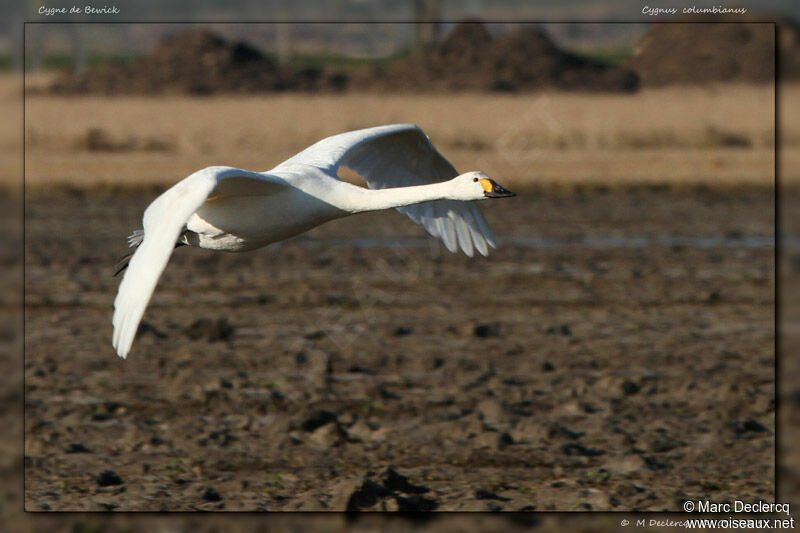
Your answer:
<point x="559" y="99"/>
<point x="635" y="130"/>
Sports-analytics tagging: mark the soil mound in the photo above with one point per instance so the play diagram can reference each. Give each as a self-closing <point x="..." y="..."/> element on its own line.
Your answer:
<point x="471" y="59"/>
<point x="200" y="62"/>
<point x="528" y="59"/>
<point x="465" y="48"/>
<point x="789" y="49"/>
<point x="197" y="62"/>
<point x="705" y="53"/>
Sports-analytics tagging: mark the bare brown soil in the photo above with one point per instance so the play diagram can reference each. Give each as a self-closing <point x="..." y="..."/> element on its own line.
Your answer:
<point x="324" y="375"/>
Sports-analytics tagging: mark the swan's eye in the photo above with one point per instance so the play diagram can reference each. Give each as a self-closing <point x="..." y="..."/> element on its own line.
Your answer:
<point x="475" y="179"/>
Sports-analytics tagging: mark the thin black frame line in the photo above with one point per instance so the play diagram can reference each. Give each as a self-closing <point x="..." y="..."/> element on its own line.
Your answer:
<point x="24" y="277"/>
<point x="402" y="21"/>
<point x="776" y="257"/>
<point x="776" y="203"/>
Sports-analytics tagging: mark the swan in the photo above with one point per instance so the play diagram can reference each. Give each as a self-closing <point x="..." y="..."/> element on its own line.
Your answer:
<point x="230" y="209"/>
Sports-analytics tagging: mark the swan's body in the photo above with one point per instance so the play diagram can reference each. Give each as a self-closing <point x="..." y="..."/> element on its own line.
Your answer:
<point x="229" y="209"/>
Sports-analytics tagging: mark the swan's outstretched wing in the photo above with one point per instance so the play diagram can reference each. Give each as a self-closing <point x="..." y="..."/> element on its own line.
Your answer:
<point x="164" y="220"/>
<point x="402" y="155"/>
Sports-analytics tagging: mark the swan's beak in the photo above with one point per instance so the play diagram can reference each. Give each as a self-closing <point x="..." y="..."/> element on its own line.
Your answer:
<point x="493" y="190"/>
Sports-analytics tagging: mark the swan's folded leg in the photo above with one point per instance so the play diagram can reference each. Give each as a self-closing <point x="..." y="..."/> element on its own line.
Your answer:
<point x="122" y="264"/>
<point x="126" y="259"/>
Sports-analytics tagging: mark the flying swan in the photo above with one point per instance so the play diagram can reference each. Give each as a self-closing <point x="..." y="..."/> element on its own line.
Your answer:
<point x="234" y="210"/>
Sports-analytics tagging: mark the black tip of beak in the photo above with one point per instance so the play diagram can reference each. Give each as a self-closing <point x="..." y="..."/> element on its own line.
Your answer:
<point x="498" y="191"/>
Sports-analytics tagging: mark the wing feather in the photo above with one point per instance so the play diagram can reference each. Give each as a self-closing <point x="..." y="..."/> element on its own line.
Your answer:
<point x="464" y="237"/>
<point x="449" y="236"/>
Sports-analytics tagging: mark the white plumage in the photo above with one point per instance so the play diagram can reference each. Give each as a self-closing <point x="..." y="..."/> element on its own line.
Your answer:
<point x="229" y="209"/>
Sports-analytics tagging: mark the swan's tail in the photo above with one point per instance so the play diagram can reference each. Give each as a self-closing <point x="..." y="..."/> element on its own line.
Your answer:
<point x="134" y="240"/>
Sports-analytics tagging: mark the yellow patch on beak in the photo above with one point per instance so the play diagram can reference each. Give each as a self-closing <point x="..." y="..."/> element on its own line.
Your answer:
<point x="487" y="185"/>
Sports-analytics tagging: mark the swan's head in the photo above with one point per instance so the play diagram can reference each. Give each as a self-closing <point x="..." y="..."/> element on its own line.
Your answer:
<point x="478" y="186"/>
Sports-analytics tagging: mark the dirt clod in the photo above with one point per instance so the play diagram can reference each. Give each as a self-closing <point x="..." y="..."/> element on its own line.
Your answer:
<point x="77" y="447"/>
<point x="367" y="495"/>
<point x="146" y="328"/>
<point x="574" y="448"/>
<point x="654" y="464"/>
<point x="484" y="331"/>
<point x="504" y="440"/>
<point x="108" y="478"/>
<point x="400" y="483"/>
<point x="394" y="491"/>
<point x="387" y="394"/>
<point x="210" y="494"/>
<point x="415" y="504"/>
<point x="483" y="494"/>
<point x="630" y="387"/>
<point x="318" y="419"/>
<point x="749" y="426"/>
<point x="401" y="331"/>
<point x="212" y="330"/>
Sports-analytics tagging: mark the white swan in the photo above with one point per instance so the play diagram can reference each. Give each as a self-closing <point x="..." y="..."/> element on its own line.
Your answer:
<point x="224" y="208"/>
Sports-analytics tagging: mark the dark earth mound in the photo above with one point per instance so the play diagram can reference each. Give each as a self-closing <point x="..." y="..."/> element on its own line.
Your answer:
<point x="789" y="49"/>
<point x="528" y="59"/>
<point x="200" y="62"/>
<point x="706" y="53"/>
<point x="471" y="59"/>
<point x="195" y="62"/>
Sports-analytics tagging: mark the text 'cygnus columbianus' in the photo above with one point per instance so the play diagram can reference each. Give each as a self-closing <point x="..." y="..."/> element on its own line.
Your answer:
<point x="229" y="209"/>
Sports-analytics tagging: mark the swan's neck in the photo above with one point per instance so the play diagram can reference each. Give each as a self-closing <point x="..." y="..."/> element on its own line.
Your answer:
<point x="378" y="199"/>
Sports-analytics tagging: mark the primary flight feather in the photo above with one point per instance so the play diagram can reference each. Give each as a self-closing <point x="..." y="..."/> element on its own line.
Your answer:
<point x="229" y="209"/>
